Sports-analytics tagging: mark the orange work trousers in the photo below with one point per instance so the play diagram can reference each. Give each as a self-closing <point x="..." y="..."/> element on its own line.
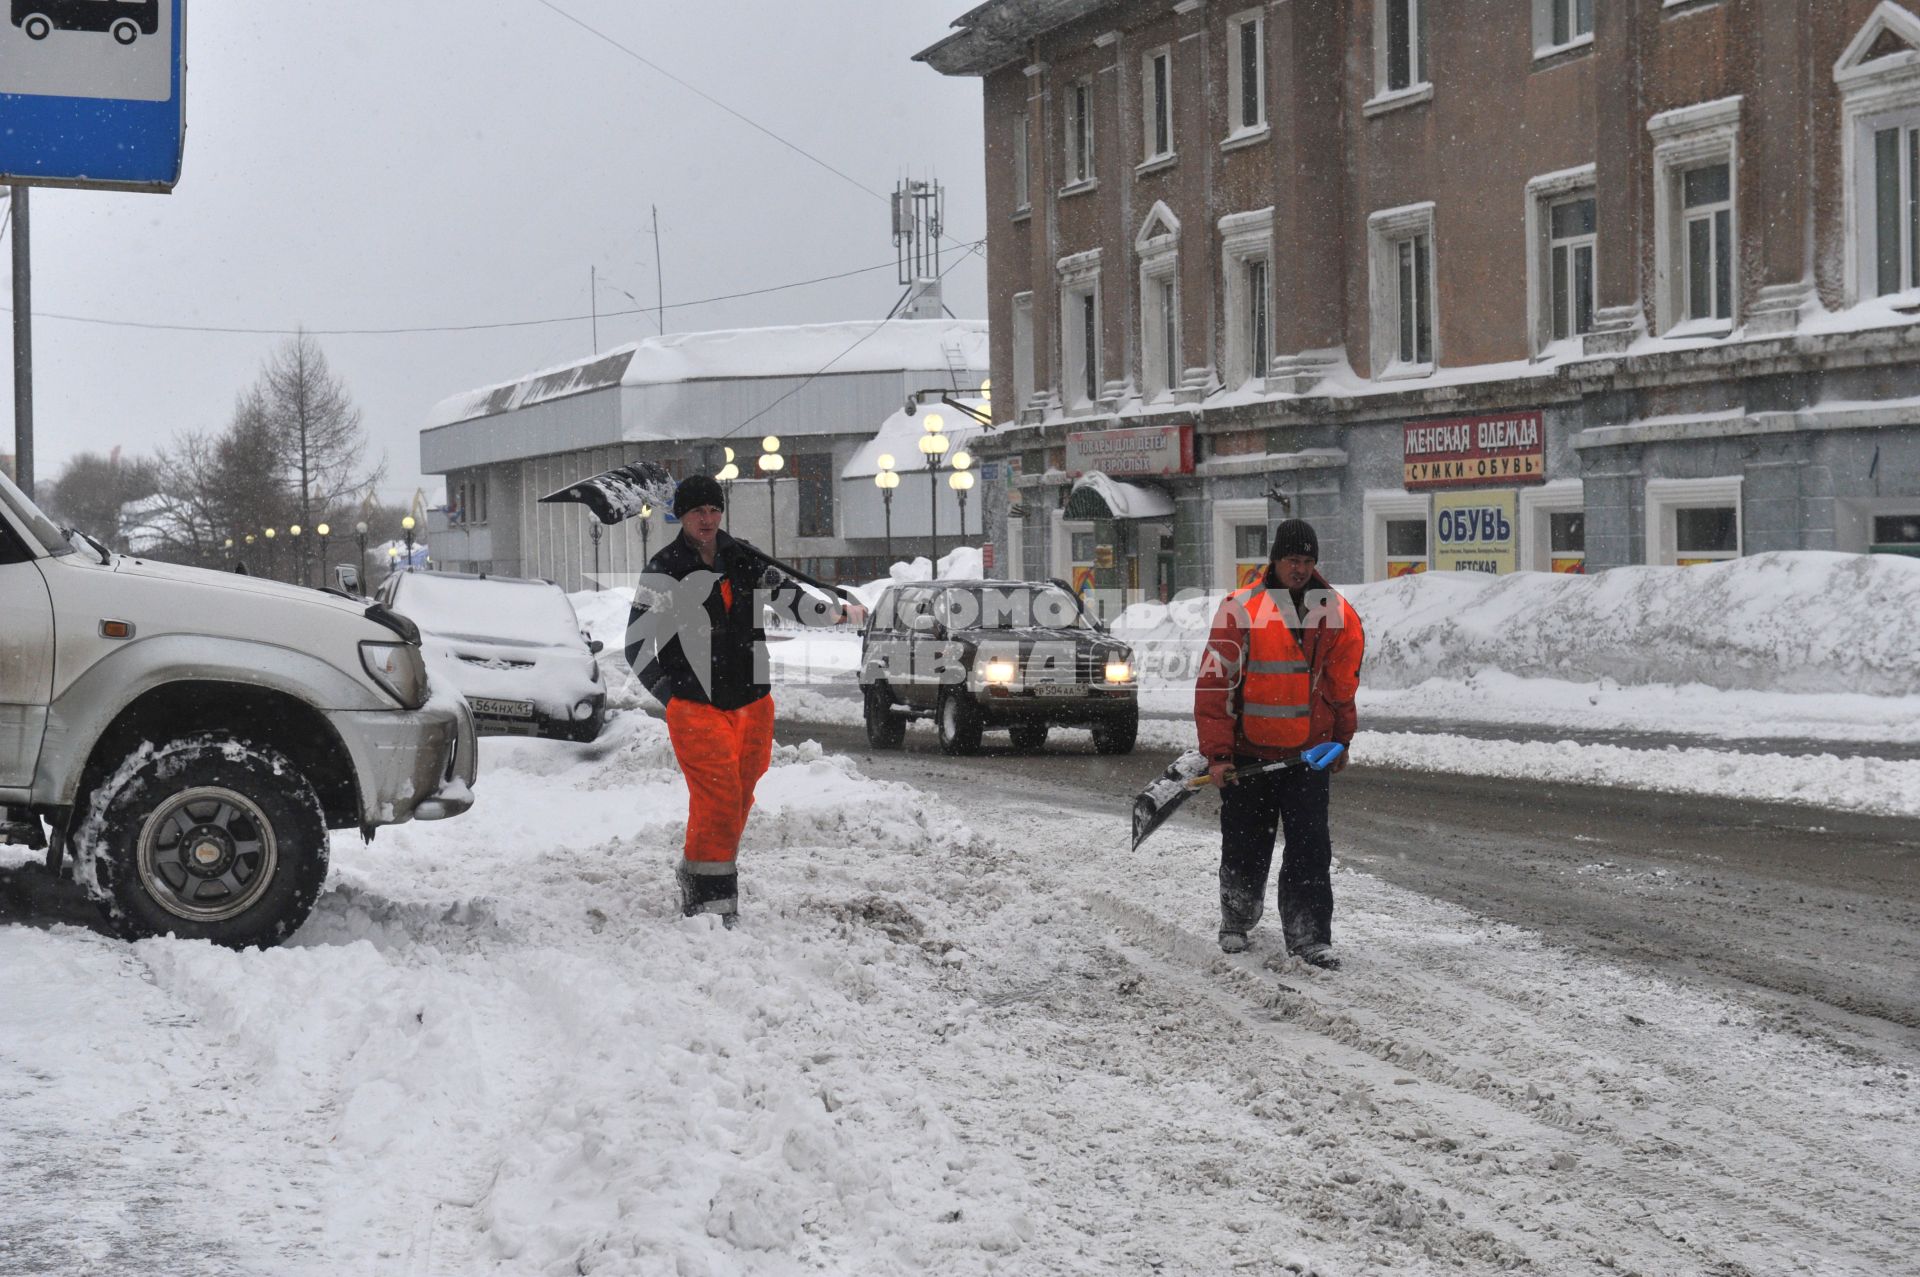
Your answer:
<point x="723" y="753"/>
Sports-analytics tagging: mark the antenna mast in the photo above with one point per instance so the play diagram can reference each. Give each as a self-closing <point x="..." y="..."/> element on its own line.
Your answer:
<point x="918" y="217"/>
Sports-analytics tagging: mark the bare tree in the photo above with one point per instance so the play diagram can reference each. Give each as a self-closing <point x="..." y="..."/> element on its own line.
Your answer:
<point x="316" y="427"/>
<point x="92" y="489"/>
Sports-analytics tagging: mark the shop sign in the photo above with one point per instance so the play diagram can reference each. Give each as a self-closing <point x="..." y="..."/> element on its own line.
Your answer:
<point x="1474" y="531"/>
<point x="1466" y="452"/>
<point x="1141" y="450"/>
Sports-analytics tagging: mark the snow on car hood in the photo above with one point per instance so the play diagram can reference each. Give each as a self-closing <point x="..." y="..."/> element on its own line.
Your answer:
<point x="240" y="586"/>
<point x="553" y="679"/>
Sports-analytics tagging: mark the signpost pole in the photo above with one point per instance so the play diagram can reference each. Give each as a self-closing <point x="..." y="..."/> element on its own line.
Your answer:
<point x="22" y="344"/>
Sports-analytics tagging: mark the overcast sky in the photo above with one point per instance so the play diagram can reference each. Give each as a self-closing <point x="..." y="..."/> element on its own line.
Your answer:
<point x="369" y="164"/>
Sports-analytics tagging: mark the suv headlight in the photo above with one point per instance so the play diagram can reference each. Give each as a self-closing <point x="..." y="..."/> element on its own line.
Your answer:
<point x="1119" y="672"/>
<point x="400" y="669"/>
<point x="999" y="670"/>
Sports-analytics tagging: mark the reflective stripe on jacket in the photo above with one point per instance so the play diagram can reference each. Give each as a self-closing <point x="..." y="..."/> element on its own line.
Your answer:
<point x="1263" y="691"/>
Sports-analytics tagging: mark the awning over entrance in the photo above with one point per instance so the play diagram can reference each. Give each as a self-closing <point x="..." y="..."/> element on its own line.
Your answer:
<point x="1095" y="496"/>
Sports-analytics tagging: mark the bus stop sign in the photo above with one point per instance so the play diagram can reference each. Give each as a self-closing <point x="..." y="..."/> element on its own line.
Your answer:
<point x="93" y="93"/>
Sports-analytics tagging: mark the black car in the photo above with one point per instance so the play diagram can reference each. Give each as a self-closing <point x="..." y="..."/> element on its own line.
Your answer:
<point x="978" y="656"/>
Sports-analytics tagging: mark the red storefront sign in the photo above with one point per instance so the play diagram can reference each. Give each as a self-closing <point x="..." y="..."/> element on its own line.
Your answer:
<point x="1138" y="450"/>
<point x="1475" y="452"/>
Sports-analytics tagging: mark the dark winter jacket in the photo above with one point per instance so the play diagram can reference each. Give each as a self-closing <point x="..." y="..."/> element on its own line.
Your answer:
<point x="726" y="614"/>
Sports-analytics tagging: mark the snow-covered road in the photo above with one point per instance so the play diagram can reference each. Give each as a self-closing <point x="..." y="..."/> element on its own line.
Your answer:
<point x="958" y="1032"/>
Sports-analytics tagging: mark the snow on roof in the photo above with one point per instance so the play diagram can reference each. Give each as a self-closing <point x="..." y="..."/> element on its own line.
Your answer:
<point x="800" y="350"/>
<point x="1126" y="500"/>
<point x="900" y="434"/>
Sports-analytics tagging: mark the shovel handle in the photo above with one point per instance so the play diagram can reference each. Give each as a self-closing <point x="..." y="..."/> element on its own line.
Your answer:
<point x="1319" y="758"/>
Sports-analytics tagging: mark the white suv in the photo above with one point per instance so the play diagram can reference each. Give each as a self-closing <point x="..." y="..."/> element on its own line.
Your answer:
<point x="185" y="738"/>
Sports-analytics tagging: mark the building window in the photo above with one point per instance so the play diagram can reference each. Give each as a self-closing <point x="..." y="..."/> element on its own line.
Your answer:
<point x="1692" y="521"/>
<point x="1560" y="24"/>
<point x="1896" y="534"/>
<point x="1406" y="546"/>
<point x="1400" y="44"/>
<point x="1022" y="352"/>
<point x="1079" y="133"/>
<point x="1570" y="248"/>
<point x="1878" y="76"/>
<point x="1896" y="209"/>
<point x="1246" y="75"/>
<point x="1707" y="240"/>
<point x="1249" y="553"/>
<point x="1247" y="256"/>
<point x="1696" y="184"/>
<point x="1156" y="104"/>
<point x="1402" y="273"/>
<point x="1080" y="330"/>
<point x="1158" y="246"/>
<point x="1394" y="532"/>
<point x="1022" y="173"/>
<point x="814" y="471"/>
<point x="1567" y="541"/>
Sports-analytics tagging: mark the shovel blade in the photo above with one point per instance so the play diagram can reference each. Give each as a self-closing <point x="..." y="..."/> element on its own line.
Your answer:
<point x="621" y="493"/>
<point x="1158" y="801"/>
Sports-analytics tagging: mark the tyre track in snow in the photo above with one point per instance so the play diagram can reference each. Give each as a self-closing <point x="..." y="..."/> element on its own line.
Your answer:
<point x="1735" y="1173"/>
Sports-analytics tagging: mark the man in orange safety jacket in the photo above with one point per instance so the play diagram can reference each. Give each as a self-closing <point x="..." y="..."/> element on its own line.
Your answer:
<point x="1281" y="668"/>
<point x="695" y="639"/>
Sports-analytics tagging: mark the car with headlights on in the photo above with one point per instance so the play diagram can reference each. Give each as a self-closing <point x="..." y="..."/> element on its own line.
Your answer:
<point x="514" y="648"/>
<point x="979" y="656"/>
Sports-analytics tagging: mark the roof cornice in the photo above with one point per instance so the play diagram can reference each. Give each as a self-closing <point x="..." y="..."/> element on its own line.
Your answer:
<point x="994" y="34"/>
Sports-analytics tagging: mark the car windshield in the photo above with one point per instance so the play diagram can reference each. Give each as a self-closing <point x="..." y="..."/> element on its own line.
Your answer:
<point x="39" y="525"/>
<point x="1012" y="607"/>
<point x="492" y="611"/>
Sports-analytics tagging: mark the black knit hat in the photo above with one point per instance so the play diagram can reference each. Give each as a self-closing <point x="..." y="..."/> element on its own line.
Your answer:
<point x="1294" y="536"/>
<point x="696" y="491"/>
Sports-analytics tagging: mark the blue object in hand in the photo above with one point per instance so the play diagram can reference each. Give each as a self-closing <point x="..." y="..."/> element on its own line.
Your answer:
<point x="1321" y="757"/>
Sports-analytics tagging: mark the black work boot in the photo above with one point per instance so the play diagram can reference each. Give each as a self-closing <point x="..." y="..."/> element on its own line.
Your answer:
<point x="708" y="886"/>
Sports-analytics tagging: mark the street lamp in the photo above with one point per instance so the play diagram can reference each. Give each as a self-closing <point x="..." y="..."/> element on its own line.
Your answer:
<point x="771" y="463"/>
<point x="886" y="480"/>
<point x="961" y="480"/>
<point x="360" y="536"/>
<point x="299" y="555"/>
<point x="646" y="516"/>
<point x="933" y="444"/>
<point x="323" y="532"/>
<point x="594" y="534"/>
<point x="406" y="528"/>
<point x="393" y="558"/>
<point x="273" y="571"/>
<point x="245" y="554"/>
<point x="728" y="473"/>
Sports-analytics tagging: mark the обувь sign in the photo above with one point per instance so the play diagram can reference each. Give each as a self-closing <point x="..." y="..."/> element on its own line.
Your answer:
<point x="1471" y="452"/>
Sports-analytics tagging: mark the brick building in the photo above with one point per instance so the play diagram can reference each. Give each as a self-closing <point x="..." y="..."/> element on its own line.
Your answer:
<point x="1511" y="284"/>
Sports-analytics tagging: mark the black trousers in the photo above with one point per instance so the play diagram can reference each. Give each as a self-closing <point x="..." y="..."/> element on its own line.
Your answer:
<point x="1252" y="812"/>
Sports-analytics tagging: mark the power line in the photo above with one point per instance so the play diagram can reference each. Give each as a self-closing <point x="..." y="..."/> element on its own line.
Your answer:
<point x="444" y="328"/>
<point x="821" y="371"/>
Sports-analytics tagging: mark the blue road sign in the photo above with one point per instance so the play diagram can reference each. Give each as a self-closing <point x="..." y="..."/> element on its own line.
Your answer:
<point x="92" y="93"/>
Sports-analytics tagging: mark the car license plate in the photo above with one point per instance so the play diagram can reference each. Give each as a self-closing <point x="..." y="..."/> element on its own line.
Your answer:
<point x="501" y="709"/>
<point x="1058" y="689"/>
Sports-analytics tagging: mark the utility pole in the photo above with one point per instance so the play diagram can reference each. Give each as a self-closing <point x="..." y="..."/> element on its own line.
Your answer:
<point x="593" y="303"/>
<point x="659" y="287"/>
<point x="22" y="343"/>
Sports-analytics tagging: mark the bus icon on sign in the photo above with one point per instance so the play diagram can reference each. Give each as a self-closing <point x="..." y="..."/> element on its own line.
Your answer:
<point x="127" y="20"/>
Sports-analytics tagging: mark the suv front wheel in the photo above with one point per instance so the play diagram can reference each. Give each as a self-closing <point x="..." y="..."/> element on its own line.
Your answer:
<point x="1116" y="735"/>
<point x="885" y="729"/>
<point x="960" y="723"/>
<point x="207" y="838"/>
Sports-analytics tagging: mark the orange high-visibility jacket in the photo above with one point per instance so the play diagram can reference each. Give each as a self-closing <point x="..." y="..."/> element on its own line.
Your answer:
<point x="1264" y="692"/>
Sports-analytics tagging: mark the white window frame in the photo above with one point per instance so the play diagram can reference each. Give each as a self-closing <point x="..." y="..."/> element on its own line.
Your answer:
<point x="1543" y="193"/>
<point x="1386" y="231"/>
<point x="1557" y="496"/>
<point x="1158" y="245"/>
<point x="1665" y="496"/>
<point x="1023" y="353"/>
<point x="1240" y="130"/>
<point x="1544" y="12"/>
<point x="1377" y="507"/>
<point x="1079" y="365"/>
<point x="1688" y="138"/>
<point x="1156" y="104"/>
<point x="1077" y="141"/>
<point x="1244" y="238"/>
<point x="1228" y="514"/>
<point x="1022" y="165"/>
<point x="1419" y="85"/>
<point x="1875" y="93"/>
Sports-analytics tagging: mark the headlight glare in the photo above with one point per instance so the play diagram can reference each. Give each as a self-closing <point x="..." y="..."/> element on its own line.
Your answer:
<point x="999" y="670"/>
<point x="1119" y="672"/>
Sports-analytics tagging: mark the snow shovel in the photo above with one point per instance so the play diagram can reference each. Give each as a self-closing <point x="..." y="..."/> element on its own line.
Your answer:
<point x="623" y="492"/>
<point x="1187" y="775"/>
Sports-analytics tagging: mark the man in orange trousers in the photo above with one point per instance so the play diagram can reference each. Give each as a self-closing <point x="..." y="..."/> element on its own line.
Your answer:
<point x="695" y="639"/>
